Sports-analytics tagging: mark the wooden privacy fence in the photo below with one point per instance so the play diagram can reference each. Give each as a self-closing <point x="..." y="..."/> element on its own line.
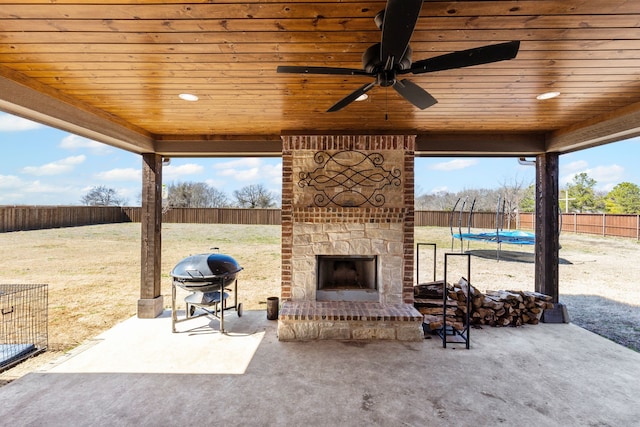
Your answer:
<point x="213" y="216"/>
<point x="459" y="220"/>
<point x="16" y="218"/>
<point x="19" y="218"/>
<point x="617" y="225"/>
<point x="222" y="216"/>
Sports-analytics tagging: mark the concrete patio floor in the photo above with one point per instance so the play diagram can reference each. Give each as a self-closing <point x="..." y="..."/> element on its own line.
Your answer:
<point x="140" y="374"/>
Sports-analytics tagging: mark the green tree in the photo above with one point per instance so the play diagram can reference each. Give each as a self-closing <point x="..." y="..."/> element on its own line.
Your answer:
<point x="583" y="194"/>
<point x="528" y="201"/>
<point x="623" y="198"/>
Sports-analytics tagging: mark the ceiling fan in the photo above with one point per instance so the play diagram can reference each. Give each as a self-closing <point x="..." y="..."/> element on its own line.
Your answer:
<point x="391" y="57"/>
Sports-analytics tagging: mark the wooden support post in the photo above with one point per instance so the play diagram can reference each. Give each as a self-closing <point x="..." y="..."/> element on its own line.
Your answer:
<point x="548" y="235"/>
<point x="150" y="304"/>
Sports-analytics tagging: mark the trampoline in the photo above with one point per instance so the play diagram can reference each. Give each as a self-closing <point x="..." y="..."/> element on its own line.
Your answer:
<point x="514" y="237"/>
<point x="499" y="236"/>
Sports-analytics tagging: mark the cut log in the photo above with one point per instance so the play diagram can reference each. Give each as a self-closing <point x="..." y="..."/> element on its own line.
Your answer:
<point x="493" y="308"/>
<point x="490" y="302"/>
<point x="433" y="322"/>
<point x="436" y="311"/>
<point x="429" y="290"/>
<point x="423" y="302"/>
<point x="506" y="295"/>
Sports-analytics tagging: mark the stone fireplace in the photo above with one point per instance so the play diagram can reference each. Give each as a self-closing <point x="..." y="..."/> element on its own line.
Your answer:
<point x="347" y="238"/>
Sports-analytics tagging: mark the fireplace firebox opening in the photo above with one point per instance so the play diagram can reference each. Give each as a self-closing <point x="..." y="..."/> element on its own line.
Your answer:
<point x="347" y="278"/>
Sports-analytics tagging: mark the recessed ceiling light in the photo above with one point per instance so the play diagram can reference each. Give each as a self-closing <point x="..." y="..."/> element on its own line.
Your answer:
<point x="188" y="97"/>
<point x="547" y="95"/>
<point x="362" y="97"/>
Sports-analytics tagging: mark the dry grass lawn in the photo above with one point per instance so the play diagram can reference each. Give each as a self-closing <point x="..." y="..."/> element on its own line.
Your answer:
<point x="93" y="274"/>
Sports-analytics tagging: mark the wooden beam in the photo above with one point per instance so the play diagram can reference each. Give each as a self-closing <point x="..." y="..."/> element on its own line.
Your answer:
<point x="454" y="144"/>
<point x="479" y="144"/>
<point x="618" y="125"/>
<point x="219" y="146"/>
<point x="150" y="304"/>
<point x="27" y="98"/>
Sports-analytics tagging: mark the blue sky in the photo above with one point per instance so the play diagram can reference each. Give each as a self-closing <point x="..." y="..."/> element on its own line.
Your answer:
<point x="45" y="166"/>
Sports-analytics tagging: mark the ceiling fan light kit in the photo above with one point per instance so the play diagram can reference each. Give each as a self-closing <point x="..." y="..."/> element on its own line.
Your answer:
<point x="547" y="95"/>
<point x="391" y="57"/>
<point x="188" y="97"/>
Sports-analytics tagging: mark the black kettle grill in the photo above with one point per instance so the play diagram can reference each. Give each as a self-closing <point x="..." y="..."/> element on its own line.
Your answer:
<point x="209" y="277"/>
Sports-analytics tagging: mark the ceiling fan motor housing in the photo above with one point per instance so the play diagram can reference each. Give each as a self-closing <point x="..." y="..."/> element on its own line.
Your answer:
<point x="372" y="63"/>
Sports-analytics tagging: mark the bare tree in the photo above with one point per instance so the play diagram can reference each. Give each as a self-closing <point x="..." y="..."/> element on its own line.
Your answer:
<point x="195" y="195"/>
<point x="254" y="196"/>
<point x="440" y="201"/>
<point x="482" y="199"/>
<point x="512" y="195"/>
<point x="102" y="196"/>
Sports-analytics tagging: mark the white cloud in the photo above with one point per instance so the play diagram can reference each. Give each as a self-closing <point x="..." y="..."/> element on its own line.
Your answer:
<point x="75" y="142"/>
<point x="575" y="167"/>
<point x="218" y="184"/>
<point x="36" y="187"/>
<point x="9" y="182"/>
<point x="607" y="174"/>
<point x="247" y="162"/>
<point x="131" y="194"/>
<point x="10" y="123"/>
<point x="273" y="173"/>
<point x="441" y="189"/>
<point x="251" y="170"/>
<point x="247" y="174"/>
<point x="170" y="172"/>
<point x="455" y="164"/>
<point x="122" y="174"/>
<point x="16" y="190"/>
<point x="606" y="177"/>
<point x="55" y="168"/>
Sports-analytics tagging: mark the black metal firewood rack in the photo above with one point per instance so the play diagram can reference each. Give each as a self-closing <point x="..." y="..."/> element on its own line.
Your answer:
<point x="448" y="333"/>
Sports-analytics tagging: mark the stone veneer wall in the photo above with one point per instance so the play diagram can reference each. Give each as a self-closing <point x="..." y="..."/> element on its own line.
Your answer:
<point x="309" y="229"/>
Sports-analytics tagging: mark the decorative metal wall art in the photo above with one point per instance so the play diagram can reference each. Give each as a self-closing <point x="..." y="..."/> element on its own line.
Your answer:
<point x="349" y="179"/>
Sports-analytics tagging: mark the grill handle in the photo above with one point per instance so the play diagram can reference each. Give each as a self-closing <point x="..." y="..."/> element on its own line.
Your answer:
<point x="195" y="274"/>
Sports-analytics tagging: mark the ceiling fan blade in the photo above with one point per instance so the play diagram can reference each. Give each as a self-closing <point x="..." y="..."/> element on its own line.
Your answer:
<point x="400" y="17"/>
<point x="414" y="94"/>
<point x="351" y="97"/>
<point x="293" y="69"/>
<point x="466" y="58"/>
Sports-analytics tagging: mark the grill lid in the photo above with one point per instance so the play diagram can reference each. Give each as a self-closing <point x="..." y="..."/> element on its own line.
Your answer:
<point x="206" y="267"/>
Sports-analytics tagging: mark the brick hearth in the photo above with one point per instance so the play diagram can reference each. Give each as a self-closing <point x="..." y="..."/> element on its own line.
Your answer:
<point x="311" y="320"/>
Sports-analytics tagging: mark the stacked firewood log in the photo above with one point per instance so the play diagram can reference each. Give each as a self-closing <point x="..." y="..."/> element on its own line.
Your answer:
<point x="493" y="308"/>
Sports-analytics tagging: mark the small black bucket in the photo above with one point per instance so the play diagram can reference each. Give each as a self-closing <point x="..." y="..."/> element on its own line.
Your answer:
<point x="273" y="304"/>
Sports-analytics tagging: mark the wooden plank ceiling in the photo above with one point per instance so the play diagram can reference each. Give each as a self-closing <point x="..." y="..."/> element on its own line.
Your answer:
<point x="113" y="70"/>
